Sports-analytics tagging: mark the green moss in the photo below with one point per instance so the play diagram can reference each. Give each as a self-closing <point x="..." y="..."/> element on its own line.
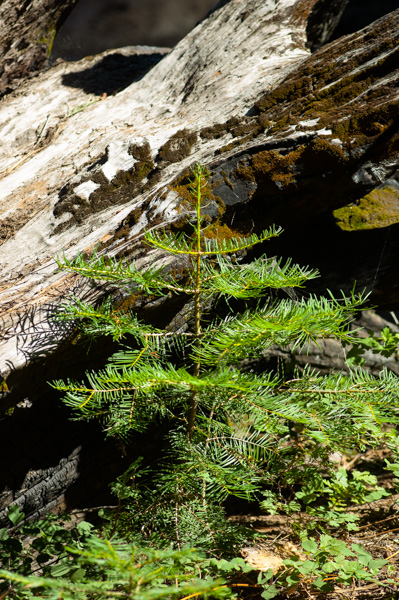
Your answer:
<point x="182" y="185"/>
<point x="320" y="155"/>
<point x="272" y="165"/>
<point x="177" y="147"/>
<point x="213" y="132"/>
<point x="214" y="205"/>
<point x="144" y="164"/>
<point x="254" y="131"/>
<point x="47" y="38"/>
<point x="286" y="92"/>
<point x="379" y="208"/>
<point x="340" y="93"/>
<point x="129" y="303"/>
<point x="220" y="231"/>
<point x="124" y="186"/>
<point x="141" y="152"/>
<point x="228" y="147"/>
<point x="243" y="128"/>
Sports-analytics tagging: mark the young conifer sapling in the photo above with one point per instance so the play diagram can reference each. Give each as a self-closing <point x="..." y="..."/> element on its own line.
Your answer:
<point x="229" y="427"/>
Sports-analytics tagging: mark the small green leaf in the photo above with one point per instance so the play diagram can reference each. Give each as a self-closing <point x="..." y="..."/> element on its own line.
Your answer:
<point x="334" y="546"/>
<point x="324" y="586"/>
<point x="376" y="565"/>
<point x="15" y="514"/>
<point x="264" y="576"/>
<point x="269" y="593"/>
<point x="309" y="545"/>
<point x="60" y="570"/>
<point x="84" y="527"/>
<point x="306" y="567"/>
<point x="329" y="567"/>
<point x="106" y="515"/>
<point x="362" y="556"/>
<point x="292" y="579"/>
<point x="77" y="575"/>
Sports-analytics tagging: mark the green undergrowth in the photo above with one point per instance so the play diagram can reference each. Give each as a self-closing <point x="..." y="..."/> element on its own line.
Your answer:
<point x="226" y="437"/>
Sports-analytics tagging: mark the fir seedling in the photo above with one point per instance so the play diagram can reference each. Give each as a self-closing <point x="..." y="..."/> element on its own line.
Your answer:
<point x="232" y="431"/>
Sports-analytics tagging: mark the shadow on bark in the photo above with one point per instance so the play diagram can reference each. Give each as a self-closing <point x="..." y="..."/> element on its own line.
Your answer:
<point x="113" y="74"/>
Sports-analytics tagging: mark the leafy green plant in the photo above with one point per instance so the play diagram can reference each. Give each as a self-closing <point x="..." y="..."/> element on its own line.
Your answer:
<point x="120" y="570"/>
<point x="385" y="344"/>
<point x="326" y="498"/>
<point x="39" y="548"/>
<point x="357" y="488"/>
<point x="331" y="561"/>
<point x="273" y="504"/>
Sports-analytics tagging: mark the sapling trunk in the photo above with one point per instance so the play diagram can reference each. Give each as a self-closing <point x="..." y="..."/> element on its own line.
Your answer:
<point x="197" y="302"/>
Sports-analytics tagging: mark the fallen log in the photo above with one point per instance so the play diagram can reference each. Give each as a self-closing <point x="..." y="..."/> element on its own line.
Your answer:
<point x="84" y="162"/>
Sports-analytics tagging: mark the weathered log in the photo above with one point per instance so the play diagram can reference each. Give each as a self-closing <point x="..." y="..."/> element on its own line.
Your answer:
<point x="27" y="32"/>
<point x="74" y="169"/>
<point x="79" y="172"/>
<point x="329" y="355"/>
<point x="95" y="152"/>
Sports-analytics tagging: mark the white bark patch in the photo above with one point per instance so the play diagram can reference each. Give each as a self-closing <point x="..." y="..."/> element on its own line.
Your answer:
<point x="85" y="189"/>
<point x="139" y="226"/>
<point x="309" y="122"/>
<point x="167" y="207"/>
<point x="118" y="159"/>
<point x="369" y="174"/>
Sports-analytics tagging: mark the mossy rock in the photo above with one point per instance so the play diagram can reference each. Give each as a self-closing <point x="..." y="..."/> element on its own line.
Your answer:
<point x="379" y="208"/>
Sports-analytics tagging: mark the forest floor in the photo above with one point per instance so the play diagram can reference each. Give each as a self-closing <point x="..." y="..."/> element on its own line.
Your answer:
<point x="377" y="532"/>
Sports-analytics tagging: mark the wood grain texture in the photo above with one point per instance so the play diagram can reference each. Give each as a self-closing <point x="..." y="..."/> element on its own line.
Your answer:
<point x="88" y="159"/>
<point x="27" y="31"/>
